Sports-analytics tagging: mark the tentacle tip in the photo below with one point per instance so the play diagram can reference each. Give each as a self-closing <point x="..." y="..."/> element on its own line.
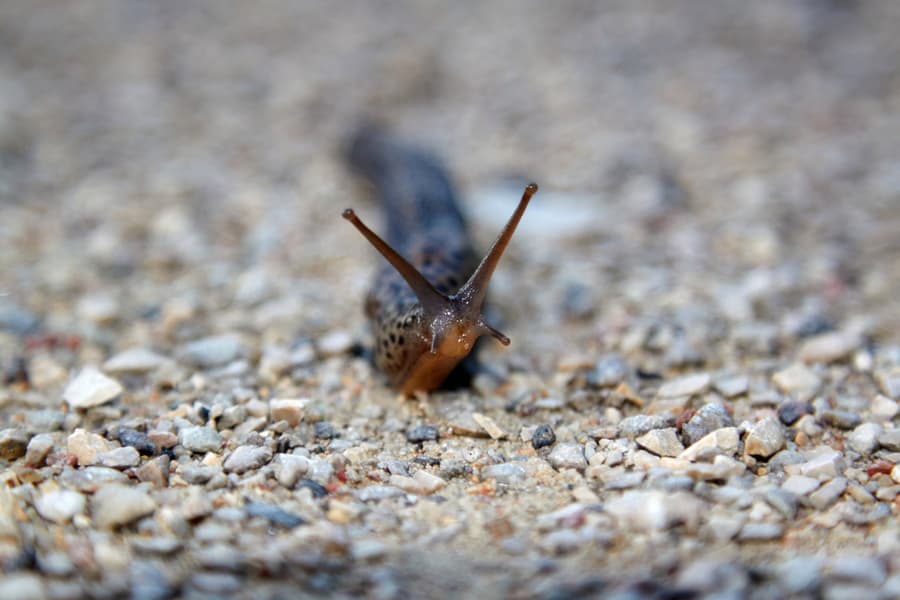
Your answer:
<point x="349" y="214"/>
<point x="531" y="188"/>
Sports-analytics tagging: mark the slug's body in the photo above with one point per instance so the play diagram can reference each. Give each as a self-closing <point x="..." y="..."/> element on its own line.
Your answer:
<point x="425" y="308"/>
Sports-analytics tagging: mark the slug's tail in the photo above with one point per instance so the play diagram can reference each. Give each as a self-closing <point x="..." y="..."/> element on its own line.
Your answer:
<point x="412" y="185"/>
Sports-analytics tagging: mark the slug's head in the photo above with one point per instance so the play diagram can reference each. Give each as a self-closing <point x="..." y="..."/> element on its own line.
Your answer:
<point x="455" y="321"/>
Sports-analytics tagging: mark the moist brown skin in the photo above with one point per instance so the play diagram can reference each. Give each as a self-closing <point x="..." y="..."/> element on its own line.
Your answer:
<point x="425" y="309"/>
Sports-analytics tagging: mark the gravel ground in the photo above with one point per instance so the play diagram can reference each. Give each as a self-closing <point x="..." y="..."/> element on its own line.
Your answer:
<point x="702" y="393"/>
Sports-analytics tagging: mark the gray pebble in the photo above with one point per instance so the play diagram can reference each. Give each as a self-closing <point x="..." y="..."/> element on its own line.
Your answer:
<point x="38" y="448"/>
<point x="505" y="473"/>
<point x="864" y="439"/>
<point x="609" y="371"/>
<point x="842" y="419"/>
<point x="764" y="438"/>
<point x="662" y="442"/>
<point x="753" y="532"/>
<point x="543" y="436"/>
<point x="783" y="501"/>
<point x="828" y="494"/>
<point x="155" y="472"/>
<point x="23" y="586"/>
<point x="213" y="351"/>
<point x="44" y="420"/>
<point x="687" y="385"/>
<point x="137" y="439"/>
<point x="13" y="443"/>
<point x="246" y="458"/>
<point x="135" y="360"/>
<point x="890" y="439"/>
<point x="198" y="475"/>
<point x="119" y="458"/>
<point x="273" y="514"/>
<point x="800" y="575"/>
<point x="325" y="430"/>
<point x="863" y="569"/>
<point x="17" y="320"/>
<point x="637" y="425"/>
<point x="379" y="492"/>
<point x="91" y="388"/>
<point x="200" y="439"/>
<point x="60" y="506"/>
<point x="215" y="583"/>
<point x="421" y="433"/>
<point x="707" y="419"/>
<point x="451" y="468"/>
<point x="789" y="412"/>
<point x="567" y="456"/>
<point x="115" y="504"/>
<point x="889" y="382"/>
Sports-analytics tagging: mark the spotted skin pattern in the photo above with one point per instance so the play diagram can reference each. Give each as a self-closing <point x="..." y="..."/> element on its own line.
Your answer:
<point x="425" y="305"/>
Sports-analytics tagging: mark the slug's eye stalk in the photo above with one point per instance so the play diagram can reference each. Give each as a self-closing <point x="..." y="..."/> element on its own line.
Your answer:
<point x="455" y="321"/>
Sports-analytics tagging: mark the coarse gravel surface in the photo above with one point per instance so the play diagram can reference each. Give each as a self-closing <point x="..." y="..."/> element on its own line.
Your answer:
<point x="701" y="396"/>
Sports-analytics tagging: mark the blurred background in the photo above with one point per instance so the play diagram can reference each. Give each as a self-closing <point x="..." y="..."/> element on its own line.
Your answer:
<point x="170" y="169"/>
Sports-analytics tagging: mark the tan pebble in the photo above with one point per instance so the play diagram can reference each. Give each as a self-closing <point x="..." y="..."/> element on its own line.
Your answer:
<point x="489" y="426"/>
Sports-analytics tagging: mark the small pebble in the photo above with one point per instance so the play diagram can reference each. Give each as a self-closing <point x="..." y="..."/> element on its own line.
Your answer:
<point x="91" y="388"/>
<point x="797" y="379"/>
<point x="688" y="385"/>
<point x="609" y="371"/>
<point x="114" y="505"/>
<point x="139" y="440"/>
<point x="765" y="438"/>
<point x="119" y="458"/>
<point x="245" y="458"/>
<point x="23" y="586"/>
<point x="422" y="433"/>
<point x="200" y="439"/>
<point x="637" y="425"/>
<point x="842" y="419"/>
<point x="825" y="463"/>
<point x="800" y="485"/>
<point x="889" y="381"/>
<point x="543" y="436"/>
<point x="155" y="472"/>
<point x="60" y="506"/>
<point x="505" y="473"/>
<point x="864" y="439"/>
<point x="135" y="360"/>
<point x="86" y="446"/>
<point x="662" y="442"/>
<point x="325" y="430"/>
<point x="828" y="494"/>
<point x="721" y="441"/>
<point x="273" y="514"/>
<point x="317" y="489"/>
<point x="335" y="342"/>
<point x="567" y="456"/>
<point x="38" y="448"/>
<point x="790" y="411"/>
<point x="731" y="387"/>
<point x="708" y="418"/>
<point x="13" y="443"/>
<point x="884" y="408"/>
<point x="488" y="424"/>
<point x="288" y="409"/>
<point x="889" y="439"/>
<point x="760" y="532"/>
<point x="212" y="351"/>
<point x="829" y="347"/>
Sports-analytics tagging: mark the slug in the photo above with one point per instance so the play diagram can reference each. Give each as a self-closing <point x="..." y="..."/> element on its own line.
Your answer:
<point x="425" y="306"/>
